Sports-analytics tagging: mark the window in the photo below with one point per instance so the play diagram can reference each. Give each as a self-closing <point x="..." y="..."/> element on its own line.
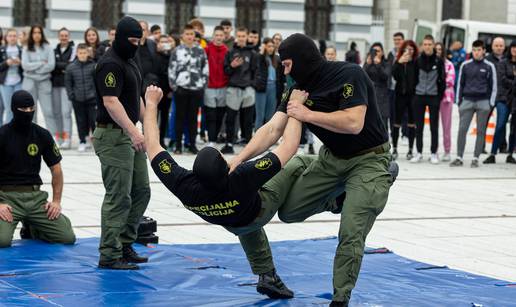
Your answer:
<point x="106" y="13"/>
<point x="317" y="18"/>
<point x="249" y="14"/>
<point x="29" y="12"/>
<point x="452" y="9"/>
<point x="178" y="13"/>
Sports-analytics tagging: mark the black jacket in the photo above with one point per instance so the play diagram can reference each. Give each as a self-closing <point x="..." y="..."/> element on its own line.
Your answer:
<point x="146" y="59"/>
<point x="406" y="77"/>
<point x="262" y="76"/>
<point x="505" y="77"/>
<point x="162" y="61"/>
<point x="62" y="61"/>
<point x="501" y="92"/>
<point x="380" y="74"/>
<point x="3" y="63"/>
<point x="246" y="74"/>
<point x="80" y="81"/>
<point x="102" y="48"/>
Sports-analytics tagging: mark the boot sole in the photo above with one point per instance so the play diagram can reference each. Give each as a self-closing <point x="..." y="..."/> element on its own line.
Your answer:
<point x="272" y="292"/>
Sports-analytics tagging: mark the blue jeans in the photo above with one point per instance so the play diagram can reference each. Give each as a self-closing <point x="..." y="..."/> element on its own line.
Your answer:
<point x="502" y="115"/>
<point x="265" y="105"/>
<point x="7" y="93"/>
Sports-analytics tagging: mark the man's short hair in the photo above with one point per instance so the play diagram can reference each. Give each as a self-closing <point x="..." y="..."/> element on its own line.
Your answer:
<point x="188" y="27"/>
<point x="253" y="32"/>
<point x="164" y="36"/>
<point x="428" y="37"/>
<point x="82" y="46"/>
<point x="63" y="29"/>
<point x="243" y="29"/>
<point x="155" y="28"/>
<point x="399" y="34"/>
<point x="218" y="28"/>
<point x="226" y="22"/>
<point x="478" y="43"/>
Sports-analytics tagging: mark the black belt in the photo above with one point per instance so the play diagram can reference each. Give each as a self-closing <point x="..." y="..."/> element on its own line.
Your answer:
<point x="109" y="126"/>
<point x="19" y="188"/>
<point x="380" y="149"/>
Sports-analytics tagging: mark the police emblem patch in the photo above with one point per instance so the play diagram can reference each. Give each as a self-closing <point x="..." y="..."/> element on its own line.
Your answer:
<point x="165" y="167"/>
<point x="32" y="149"/>
<point x="284" y="96"/>
<point x="110" y="80"/>
<point x="309" y="102"/>
<point x="348" y="90"/>
<point x="263" y="164"/>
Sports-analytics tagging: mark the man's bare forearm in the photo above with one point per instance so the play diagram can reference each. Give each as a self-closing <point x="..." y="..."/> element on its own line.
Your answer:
<point x="142" y="111"/>
<point x="118" y="114"/>
<point x="57" y="183"/>
<point x="343" y="121"/>
<point x="265" y="137"/>
<point x="151" y="131"/>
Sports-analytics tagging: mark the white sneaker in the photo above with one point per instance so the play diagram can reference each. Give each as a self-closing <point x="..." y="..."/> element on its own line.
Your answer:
<point x="66" y="144"/>
<point x="434" y="159"/>
<point x="82" y="147"/>
<point x="446" y="157"/>
<point x="417" y="158"/>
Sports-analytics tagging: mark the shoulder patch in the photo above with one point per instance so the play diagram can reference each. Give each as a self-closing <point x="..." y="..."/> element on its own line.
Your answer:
<point x="165" y="167"/>
<point x="263" y="164"/>
<point x="56" y="150"/>
<point x="110" y="80"/>
<point x="284" y="96"/>
<point x="348" y="90"/>
<point x="32" y="149"/>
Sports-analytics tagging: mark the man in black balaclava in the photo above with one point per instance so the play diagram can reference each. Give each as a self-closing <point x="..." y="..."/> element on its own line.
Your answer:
<point x="351" y="174"/>
<point x="120" y="148"/>
<point x="22" y="145"/>
<point x="234" y="200"/>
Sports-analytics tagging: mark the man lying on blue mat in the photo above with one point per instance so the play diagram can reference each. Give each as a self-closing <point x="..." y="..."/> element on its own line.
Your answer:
<point x="22" y="145"/>
<point x="242" y="201"/>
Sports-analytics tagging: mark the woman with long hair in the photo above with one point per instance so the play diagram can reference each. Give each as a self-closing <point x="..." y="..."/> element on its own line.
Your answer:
<point x="405" y="74"/>
<point x="11" y="74"/>
<point x="38" y="62"/>
<point x="446" y="106"/>
<point x="92" y="39"/>
<point x="268" y="63"/>
<point x="378" y="69"/>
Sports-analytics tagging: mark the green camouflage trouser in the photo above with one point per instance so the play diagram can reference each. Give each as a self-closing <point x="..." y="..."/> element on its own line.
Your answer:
<point x="309" y="185"/>
<point x="126" y="180"/>
<point x="29" y="207"/>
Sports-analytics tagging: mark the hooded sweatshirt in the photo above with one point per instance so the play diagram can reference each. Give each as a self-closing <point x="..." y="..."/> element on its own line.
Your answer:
<point x="246" y="74"/>
<point x="216" y="55"/>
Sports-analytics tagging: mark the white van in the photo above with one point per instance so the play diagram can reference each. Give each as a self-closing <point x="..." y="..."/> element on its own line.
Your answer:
<point x="466" y="31"/>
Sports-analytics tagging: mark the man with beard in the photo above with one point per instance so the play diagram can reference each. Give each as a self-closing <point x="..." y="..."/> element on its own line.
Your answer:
<point x="120" y="146"/>
<point x="351" y="176"/>
<point x="22" y="145"/>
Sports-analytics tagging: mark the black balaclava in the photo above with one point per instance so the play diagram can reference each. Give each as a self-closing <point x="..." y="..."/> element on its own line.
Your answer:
<point x="306" y="58"/>
<point x="211" y="169"/>
<point x="127" y="27"/>
<point x="22" y="120"/>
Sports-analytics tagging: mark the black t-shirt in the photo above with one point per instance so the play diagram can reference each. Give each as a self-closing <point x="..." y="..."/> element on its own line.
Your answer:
<point x="115" y="77"/>
<point x="20" y="154"/>
<point x="343" y="85"/>
<point x="237" y="206"/>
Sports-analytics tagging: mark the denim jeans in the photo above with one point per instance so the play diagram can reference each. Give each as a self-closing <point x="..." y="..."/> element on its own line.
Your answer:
<point x="7" y="93"/>
<point x="265" y="105"/>
<point x="502" y="115"/>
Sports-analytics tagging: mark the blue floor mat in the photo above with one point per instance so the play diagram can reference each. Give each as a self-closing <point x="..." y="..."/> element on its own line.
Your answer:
<point x="38" y="274"/>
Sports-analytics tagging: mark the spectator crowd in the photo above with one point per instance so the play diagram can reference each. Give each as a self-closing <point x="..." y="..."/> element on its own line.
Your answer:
<point x="220" y="90"/>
